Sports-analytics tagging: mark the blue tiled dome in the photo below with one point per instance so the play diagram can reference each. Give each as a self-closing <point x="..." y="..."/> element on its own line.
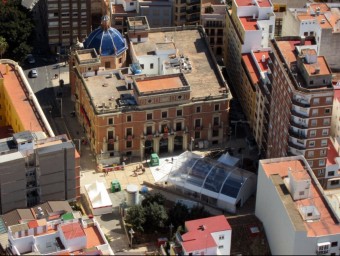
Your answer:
<point x="106" y="40"/>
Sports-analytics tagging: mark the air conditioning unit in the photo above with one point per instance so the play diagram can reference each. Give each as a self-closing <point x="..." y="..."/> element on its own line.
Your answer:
<point x="323" y="248"/>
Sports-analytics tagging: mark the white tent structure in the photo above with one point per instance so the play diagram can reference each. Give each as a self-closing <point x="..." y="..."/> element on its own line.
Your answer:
<point x="99" y="198"/>
<point x="228" y="159"/>
<point x="209" y="181"/>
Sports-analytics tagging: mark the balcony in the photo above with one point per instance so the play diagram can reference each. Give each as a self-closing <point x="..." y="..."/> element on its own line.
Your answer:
<point x="193" y="10"/>
<point x="299" y="114"/>
<point x="301" y="103"/>
<point x="298" y="125"/>
<point x="216" y="127"/>
<point x="193" y="2"/>
<point x="298" y="135"/>
<point x="296" y="146"/>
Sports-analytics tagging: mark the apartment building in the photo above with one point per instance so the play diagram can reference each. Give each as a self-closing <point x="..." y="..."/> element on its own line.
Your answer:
<point x="36" y="169"/>
<point x="186" y="12"/>
<point x="293" y="208"/>
<point x="207" y="236"/>
<point x="320" y="20"/>
<point x="280" y="8"/>
<point x="300" y="103"/>
<point x="249" y="27"/>
<point x="54" y="229"/>
<point x="19" y="107"/>
<point x="179" y="98"/>
<point x="158" y="13"/>
<point x="213" y="15"/>
<point x="67" y="21"/>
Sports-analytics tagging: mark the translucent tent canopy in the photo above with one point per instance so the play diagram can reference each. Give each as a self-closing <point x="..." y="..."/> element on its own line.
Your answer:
<point x="210" y="177"/>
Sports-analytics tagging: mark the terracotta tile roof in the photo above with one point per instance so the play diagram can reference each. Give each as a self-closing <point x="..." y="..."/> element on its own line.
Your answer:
<point x="93" y="237"/>
<point x="72" y="230"/>
<point x="321" y="64"/>
<point x="249" y="23"/>
<point x="326" y="225"/>
<point x="16" y="95"/>
<point x="323" y="7"/>
<point x="161" y="83"/>
<point x="199" y="232"/>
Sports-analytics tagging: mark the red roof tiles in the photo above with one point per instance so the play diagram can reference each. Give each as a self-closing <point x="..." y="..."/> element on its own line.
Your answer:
<point x="72" y="230"/>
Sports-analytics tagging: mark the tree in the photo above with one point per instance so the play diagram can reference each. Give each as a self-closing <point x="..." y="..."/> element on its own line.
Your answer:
<point x="16" y="26"/>
<point x="135" y="216"/>
<point x="153" y="198"/>
<point x="198" y="212"/>
<point x="3" y="46"/>
<point x="156" y="216"/>
<point x="178" y="214"/>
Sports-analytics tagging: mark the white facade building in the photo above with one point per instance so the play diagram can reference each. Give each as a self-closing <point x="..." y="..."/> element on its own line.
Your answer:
<point x="320" y="20"/>
<point x="297" y="215"/>
<point x="62" y="235"/>
<point x="207" y="236"/>
<point x="99" y="198"/>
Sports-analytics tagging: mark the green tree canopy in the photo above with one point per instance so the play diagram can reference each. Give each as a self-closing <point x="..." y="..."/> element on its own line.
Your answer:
<point x="178" y="214"/>
<point x="156" y="217"/>
<point x="16" y="26"/>
<point x="153" y="198"/>
<point x="135" y="216"/>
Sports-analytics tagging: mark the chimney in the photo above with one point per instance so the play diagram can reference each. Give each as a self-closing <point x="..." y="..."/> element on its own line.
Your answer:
<point x="263" y="58"/>
<point x="254" y="16"/>
<point x="302" y="41"/>
<point x="317" y="12"/>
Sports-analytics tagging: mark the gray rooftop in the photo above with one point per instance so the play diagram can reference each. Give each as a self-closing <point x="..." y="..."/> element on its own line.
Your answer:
<point x="204" y="78"/>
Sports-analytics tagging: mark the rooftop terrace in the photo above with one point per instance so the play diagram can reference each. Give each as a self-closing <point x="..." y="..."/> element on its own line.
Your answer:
<point x="261" y="3"/>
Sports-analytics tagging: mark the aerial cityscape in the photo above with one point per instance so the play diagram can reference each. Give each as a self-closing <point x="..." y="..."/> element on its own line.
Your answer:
<point x="169" y="127"/>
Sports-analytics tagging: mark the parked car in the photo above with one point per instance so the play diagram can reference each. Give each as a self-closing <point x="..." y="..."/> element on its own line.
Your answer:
<point x="30" y="59"/>
<point x="33" y="73"/>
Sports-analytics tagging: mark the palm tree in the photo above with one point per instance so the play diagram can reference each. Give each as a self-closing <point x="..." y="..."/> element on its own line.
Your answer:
<point x="3" y="46"/>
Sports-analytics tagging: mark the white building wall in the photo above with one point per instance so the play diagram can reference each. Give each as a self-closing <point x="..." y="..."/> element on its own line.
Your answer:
<point x="225" y="242"/>
<point x="102" y="210"/>
<point x="147" y="61"/>
<point x="270" y="210"/>
<point x="23" y="244"/>
<point x="207" y="251"/>
<point x="244" y="11"/>
<point x="335" y="126"/>
<point x="252" y="41"/>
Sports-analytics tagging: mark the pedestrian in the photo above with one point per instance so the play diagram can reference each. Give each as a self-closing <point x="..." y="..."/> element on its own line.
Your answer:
<point x="172" y="160"/>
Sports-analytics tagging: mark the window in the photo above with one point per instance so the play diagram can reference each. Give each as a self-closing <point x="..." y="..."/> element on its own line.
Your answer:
<point x="334" y="182"/>
<point x="178" y="126"/>
<point x="314" y="122"/>
<point x="321" y="172"/>
<point x="310" y="153"/>
<point x="327" y="110"/>
<point x="128" y="131"/>
<point x="312" y="143"/>
<point x="198" y="109"/>
<point x="316" y="101"/>
<point x="301" y="193"/>
<point x="151" y="65"/>
<point x="197" y="135"/>
<point x="217" y="107"/>
<point x="149" y="130"/>
<point x="142" y="65"/>
<point x="315" y="112"/>
<point x="323" y="152"/>
<point x="128" y="118"/>
<point x="128" y="144"/>
<point x="220" y="247"/>
<point x="197" y="122"/>
<point x="313" y="133"/>
<point x="326" y="121"/>
<point x="149" y="116"/>
<point x="179" y="112"/>
<point x="164" y="114"/>
<point x="329" y="100"/>
<point x="324" y="143"/>
<point x="216" y="120"/>
<point x="107" y="64"/>
<point x="331" y="173"/>
<point x="131" y="3"/>
<point x="110" y="121"/>
<point x="321" y="162"/>
<point x="324" y="132"/>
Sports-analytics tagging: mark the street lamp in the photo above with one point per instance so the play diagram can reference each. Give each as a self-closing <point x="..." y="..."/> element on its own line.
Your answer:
<point x="58" y="53"/>
<point x="131" y="235"/>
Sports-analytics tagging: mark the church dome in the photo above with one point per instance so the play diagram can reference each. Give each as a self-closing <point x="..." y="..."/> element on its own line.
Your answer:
<point x="106" y="40"/>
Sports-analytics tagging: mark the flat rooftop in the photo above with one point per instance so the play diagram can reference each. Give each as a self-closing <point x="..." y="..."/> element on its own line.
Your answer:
<point x="262" y="58"/>
<point x="191" y="44"/>
<point x="323" y="227"/>
<point x="252" y="69"/>
<point x="249" y="23"/>
<point x="13" y="84"/>
<point x="262" y="3"/>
